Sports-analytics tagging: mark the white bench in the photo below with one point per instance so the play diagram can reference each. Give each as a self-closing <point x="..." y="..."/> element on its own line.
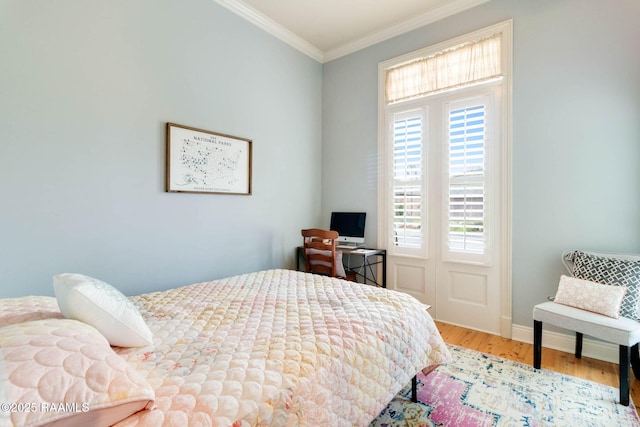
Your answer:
<point x="622" y="331"/>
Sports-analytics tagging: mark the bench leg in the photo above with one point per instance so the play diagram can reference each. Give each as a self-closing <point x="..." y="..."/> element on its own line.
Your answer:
<point x="579" y="345"/>
<point x="635" y="360"/>
<point x="537" y="344"/>
<point x="414" y="389"/>
<point x="625" y="352"/>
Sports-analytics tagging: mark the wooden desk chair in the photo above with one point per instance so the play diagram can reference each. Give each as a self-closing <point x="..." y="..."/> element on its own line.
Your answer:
<point x="321" y="256"/>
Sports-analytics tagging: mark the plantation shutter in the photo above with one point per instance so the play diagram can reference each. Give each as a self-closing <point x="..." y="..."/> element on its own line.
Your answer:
<point x="466" y="178"/>
<point x="408" y="187"/>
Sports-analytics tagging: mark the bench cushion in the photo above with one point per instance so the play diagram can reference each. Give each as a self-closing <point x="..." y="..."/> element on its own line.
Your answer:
<point x="622" y="331"/>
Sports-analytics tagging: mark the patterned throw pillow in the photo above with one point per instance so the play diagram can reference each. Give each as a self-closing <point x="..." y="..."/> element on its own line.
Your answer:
<point x="610" y="270"/>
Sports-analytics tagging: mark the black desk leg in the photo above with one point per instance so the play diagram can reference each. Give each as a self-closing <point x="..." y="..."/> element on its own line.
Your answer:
<point x="384" y="269"/>
<point x="364" y="268"/>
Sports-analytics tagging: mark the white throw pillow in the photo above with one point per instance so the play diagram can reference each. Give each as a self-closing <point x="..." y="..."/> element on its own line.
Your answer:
<point x="102" y="306"/>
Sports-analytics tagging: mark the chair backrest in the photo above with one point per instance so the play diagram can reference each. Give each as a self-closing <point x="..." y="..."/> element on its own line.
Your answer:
<point x="320" y="251"/>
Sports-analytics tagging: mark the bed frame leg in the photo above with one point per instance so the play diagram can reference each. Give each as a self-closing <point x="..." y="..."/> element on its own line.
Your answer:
<point x="414" y="389"/>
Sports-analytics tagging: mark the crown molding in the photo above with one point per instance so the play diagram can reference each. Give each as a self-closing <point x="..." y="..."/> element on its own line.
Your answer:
<point x="433" y="15"/>
<point x="270" y="26"/>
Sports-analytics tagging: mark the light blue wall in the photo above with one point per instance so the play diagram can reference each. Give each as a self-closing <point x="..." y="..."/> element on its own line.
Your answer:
<point x="576" y="130"/>
<point x="86" y="88"/>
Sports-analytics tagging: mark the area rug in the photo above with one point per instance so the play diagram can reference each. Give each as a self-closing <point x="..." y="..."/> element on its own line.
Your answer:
<point x="477" y="389"/>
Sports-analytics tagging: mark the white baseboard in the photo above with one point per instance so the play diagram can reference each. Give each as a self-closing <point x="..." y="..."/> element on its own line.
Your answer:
<point x="590" y="348"/>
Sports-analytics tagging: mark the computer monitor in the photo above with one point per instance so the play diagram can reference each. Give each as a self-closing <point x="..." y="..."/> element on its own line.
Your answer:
<point x="350" y="226"/>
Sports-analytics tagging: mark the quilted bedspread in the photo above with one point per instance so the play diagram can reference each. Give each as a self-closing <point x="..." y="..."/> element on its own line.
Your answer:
<point x="279" y="347"/>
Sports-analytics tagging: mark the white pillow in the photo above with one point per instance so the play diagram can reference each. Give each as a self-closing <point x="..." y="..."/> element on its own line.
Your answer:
<point x="102" y="306"/>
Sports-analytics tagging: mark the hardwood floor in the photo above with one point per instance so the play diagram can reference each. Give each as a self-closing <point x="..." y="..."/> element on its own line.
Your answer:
<point x="566" y="363"/>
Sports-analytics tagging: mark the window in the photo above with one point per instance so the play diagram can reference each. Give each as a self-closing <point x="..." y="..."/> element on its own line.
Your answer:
<point x="442" y="108"/>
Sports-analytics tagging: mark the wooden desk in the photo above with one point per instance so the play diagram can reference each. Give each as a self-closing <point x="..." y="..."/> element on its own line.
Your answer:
<point x="364" y="269"/>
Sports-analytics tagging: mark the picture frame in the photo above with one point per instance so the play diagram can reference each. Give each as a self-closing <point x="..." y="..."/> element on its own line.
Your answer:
<point x="202" y="161"/>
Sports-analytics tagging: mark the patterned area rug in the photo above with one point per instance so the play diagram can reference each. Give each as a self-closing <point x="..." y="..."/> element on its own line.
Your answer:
<point x="477" y="389"/>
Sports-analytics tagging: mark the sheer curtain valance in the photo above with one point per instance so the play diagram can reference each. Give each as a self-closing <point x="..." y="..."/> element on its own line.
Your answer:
<point x="462" y="65"/>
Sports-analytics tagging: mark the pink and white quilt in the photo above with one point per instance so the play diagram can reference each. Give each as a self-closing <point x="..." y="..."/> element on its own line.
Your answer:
<point x="279" y="347"/>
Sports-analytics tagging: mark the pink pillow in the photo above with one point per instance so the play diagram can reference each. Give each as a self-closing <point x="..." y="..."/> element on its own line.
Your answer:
<point x="590" y="296"/>
<point x="24" y="309"/>
<point x="62" y="372"/>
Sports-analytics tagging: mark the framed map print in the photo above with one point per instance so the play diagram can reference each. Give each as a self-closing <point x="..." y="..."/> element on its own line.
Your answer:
<point x="201" y="161"/>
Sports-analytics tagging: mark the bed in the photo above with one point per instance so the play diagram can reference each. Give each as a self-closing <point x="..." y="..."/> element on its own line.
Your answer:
<point x="275" y="347"/>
